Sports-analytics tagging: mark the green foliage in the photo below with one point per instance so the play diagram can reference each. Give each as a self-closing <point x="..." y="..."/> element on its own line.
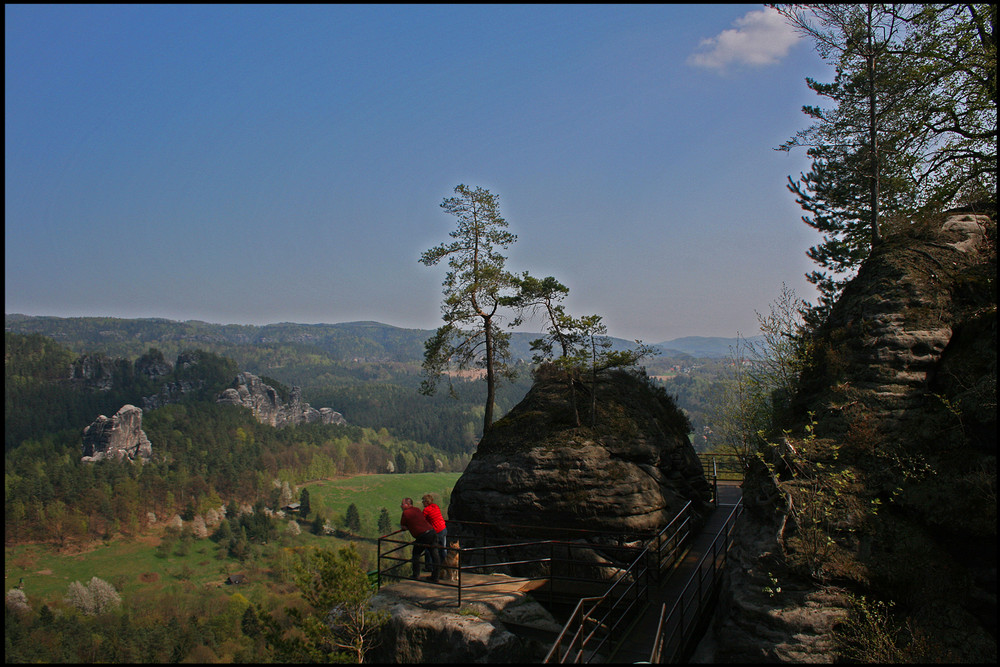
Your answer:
<point x="203" y="452"/>
<point x="305" y="507"/>
<point x="476" y="285"/>
<point x="763" y="377"/>
<point x="384" y="522"/>
<point x="352" y="520"/>
<point x="202" y="621"/>
<point x="871" y="633"/>
<point x="283" y="391"/>
<point x="912" y="127"/>
<point x="341" y="623"/>
<point x="369" y="372"/>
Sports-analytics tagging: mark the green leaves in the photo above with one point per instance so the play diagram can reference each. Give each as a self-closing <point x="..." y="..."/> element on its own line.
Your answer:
<point x="476" y="286"/>
<point x="912" y="126"/>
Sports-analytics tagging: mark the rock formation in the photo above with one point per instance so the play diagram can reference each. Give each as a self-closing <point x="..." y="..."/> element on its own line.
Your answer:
<point x="425" y="627"/>
<point x="95" y="371"/>
<point x="119" y="437"/>
<point x="885" y="485"/>
<point x="171" y="392"/>
<point x="250" y="391"/>
<point x="153" y="365"/>
<point x="630" y="473"/>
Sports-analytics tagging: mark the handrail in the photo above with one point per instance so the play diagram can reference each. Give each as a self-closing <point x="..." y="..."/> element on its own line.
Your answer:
<point x="492" y="559"/>
<point x="722" y="467"/>
<point x="582" y="632"/>
<point x="674" y="627"/>
<point x="587" y="608"/>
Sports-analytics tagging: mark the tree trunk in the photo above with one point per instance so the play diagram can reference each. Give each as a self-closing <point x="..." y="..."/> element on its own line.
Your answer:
<point x="490" y="375"/>
<point x="873" y="134"/>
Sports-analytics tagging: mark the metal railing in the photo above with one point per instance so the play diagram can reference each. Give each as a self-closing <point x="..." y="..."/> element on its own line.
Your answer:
<point x="630" y="563"/>
<point x="554" y="561"/>
<point x="722" y="467"/>
<point x="596" y="621"/>
<point x="676" y="627"/>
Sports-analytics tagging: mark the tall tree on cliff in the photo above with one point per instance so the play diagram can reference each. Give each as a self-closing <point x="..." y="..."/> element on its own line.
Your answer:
<point x="475" y="287"/>
<point x="860" y="162"/>
<point x="913" y="126"/>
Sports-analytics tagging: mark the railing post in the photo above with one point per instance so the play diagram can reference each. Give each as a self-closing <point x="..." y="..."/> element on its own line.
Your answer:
<point x="378" y="565"/>
<point x="715" y="482"/>
<point x="552" y="565"/>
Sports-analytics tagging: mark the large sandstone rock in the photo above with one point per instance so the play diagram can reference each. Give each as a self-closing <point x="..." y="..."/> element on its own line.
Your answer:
<point x="118" y="437"/>
<point x="631" y="473"/>
<point x="263" y="400"/>
<point x="890" y="493"/>
<point x="425" y="626"/>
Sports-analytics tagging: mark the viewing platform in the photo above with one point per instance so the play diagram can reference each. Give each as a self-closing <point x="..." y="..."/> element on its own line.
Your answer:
<point x="626" y="599"/>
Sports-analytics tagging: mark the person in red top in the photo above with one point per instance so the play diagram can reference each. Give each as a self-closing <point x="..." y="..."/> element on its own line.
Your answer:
<point x="423" y="537"/>
<point x="433" y="515"/>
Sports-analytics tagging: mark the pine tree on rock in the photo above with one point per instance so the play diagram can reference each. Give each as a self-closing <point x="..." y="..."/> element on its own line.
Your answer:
<point x="476" y="286"/>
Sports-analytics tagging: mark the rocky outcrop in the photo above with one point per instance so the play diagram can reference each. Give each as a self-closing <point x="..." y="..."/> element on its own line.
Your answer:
<point x="153" y="365"/>
<point x="425" y="627"/>
<point x="171" y="392"/>
<point x="887" y="333"/>
<point x="263" y="400"/>
<point x="120" y="437"/>
<point x="95" y="371"/>
<point x="883" y="490"/>
<point x="629" y="473"/>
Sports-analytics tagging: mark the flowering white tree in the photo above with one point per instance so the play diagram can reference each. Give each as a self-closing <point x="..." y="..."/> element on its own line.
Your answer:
<point x="95" y="598"/>
<point x="16" y="601"/>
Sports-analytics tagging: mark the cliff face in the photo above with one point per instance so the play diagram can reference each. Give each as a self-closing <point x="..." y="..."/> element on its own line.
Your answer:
<point x="632" y="471"/>
<point x="120" y="436"/>
<point x="251" y="392"/>
<point x="885" y="486"/>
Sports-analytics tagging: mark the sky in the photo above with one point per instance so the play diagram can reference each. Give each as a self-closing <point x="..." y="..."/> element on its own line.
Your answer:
<point x="261" y="164"/>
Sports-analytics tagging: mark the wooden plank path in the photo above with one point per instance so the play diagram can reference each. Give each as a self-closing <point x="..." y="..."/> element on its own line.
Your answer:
<point x="638" y="645"/>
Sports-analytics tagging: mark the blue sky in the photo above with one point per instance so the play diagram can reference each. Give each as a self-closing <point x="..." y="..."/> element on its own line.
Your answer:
<point x="258" y="164"/>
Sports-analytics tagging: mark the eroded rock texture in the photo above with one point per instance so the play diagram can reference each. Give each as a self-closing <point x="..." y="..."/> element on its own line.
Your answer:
<point x="120" y="436"/>
<point x="631" y="472"/>
<point x="263" y="400"/>
<point x="884" y="484"/>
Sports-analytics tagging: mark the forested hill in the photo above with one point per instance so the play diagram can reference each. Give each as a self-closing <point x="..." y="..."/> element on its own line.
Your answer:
<point x="132" y="337"/>
<point x="368" y="371"/>
<point x="346" y="341"/>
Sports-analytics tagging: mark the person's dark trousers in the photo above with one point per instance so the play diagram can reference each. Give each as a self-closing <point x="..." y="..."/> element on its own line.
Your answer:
<point x="426" y="542"/>
<point x="442" y="540"/>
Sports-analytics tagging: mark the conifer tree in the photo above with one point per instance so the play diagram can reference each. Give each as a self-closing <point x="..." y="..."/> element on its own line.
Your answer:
<point x="353" y="518"/>
<point x="912" y="126"/>
<point x="384" y="522"/>
<point x="476" y="285"/>
<point x="304" y="506"/>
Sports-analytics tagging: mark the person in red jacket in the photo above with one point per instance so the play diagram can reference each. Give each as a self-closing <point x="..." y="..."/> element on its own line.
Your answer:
<point x="433" y="515"/>
<point x="423" y="538"/>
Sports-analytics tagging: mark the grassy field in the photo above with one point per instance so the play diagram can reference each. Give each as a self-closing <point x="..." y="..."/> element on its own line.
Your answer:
<point x="373" y="492"/>
<point x="137" y="567"/>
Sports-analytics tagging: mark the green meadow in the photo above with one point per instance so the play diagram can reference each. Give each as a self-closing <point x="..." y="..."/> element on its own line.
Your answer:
<point x="145" y="569"/>
<point x="370" y="493"/>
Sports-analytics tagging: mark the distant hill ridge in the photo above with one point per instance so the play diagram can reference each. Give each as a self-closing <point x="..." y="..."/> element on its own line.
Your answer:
<point x="346" y="340"/>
